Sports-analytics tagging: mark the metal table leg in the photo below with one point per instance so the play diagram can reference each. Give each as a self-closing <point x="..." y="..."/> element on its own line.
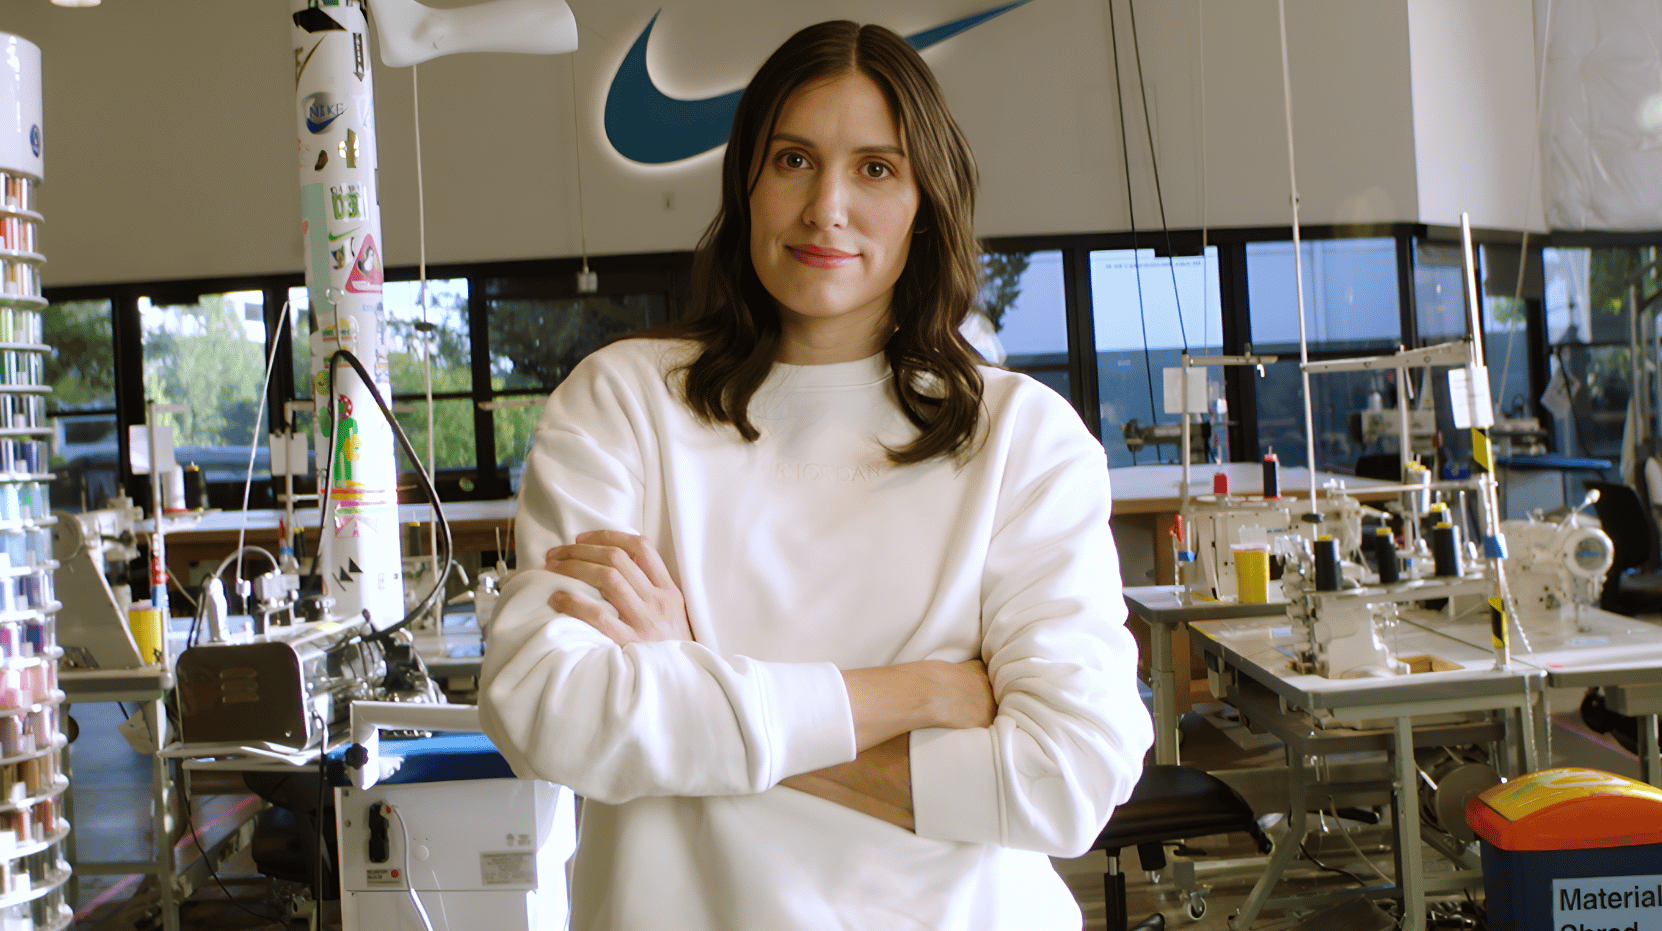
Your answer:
<point x="1162" y="676"/>
<point x="1297" y="817"/>
<point x="163" y="826"/>
<point x="1410" y="868"/>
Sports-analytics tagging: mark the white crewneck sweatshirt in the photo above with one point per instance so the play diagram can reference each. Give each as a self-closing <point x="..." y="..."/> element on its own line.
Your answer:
<point x="801" y="554"/>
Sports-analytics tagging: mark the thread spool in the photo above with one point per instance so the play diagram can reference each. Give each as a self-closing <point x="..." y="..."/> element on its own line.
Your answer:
<point x="1327" y="564"/>
<point x="1445" y="550"/>
<point x="1272" y="475"/>
<point x="1220" y="483"/>
<point x="146" y="622"/>
<point x="1385" y="556"/>
<point x="35" y="636"/>
<point x="173" y="491"/>
<point x="196" y="488"/>
<point x="1252" y="572"/>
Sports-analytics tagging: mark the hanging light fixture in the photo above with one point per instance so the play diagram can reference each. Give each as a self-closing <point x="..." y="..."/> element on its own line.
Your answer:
<point x="76" y="3"/>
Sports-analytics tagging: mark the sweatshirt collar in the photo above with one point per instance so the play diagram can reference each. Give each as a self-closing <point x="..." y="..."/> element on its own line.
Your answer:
<point x="871" y="370"/>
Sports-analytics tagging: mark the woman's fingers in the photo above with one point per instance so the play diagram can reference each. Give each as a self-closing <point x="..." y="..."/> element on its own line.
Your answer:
<point x="609" y="570"/>
<point x="630" y="574"/>
<point x="594" y="614"/>
<point x="640" y="550"/>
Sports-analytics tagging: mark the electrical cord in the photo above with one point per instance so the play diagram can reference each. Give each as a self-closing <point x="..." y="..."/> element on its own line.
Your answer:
<point x="1358" y="850"/>
<point x="1154" y="163"/>
<point x="254" y="443"/>
<point x="409" y="880"/>
<point x="1331" y="869"/>
<point x="446" y="546"/>
<point x="202" y="607"/>
<point x="1131" y="211"/>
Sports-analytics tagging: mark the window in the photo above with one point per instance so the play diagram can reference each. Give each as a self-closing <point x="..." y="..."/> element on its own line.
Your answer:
<point x="1023" y="299"/>
<point x="209" y="357"/>
<point x="1505" y="336"/>
<point x="1439" y="293"/>
<point x="1589" y="294"/>
<point x="431" y="343"/>
<point x="80" y="370"/>
<point x="537" y="333"/>
<point x="1351" y="307"/>
<point x="1147" y="309"/>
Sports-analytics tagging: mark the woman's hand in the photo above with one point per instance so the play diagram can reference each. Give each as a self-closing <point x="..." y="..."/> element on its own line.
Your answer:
<point x="642" y="603"/>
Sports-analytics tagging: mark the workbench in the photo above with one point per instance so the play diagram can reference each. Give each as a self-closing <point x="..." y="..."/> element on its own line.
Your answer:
<point x="1467" y="701"/>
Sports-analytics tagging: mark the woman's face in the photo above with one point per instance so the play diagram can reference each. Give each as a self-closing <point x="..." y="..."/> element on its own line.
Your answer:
<point x="831" y="218"/>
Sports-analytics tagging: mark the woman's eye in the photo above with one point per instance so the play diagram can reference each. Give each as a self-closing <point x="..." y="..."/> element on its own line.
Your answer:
<point x="877" y="170"/>
<point x="792" y="160"/>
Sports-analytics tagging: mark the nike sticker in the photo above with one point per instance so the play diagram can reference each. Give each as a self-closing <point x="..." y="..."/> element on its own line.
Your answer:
<point x="335" y="236"/>
<point x="321" y="109"/>
<point x="646" y="125"/>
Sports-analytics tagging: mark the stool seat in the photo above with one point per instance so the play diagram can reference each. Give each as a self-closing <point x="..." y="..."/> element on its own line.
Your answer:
<point x="1170" y="803"/>
<point x="1173" y="803"/>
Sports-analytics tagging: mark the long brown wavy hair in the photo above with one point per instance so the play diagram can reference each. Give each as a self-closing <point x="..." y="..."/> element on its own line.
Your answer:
<point x="732" y="315"/>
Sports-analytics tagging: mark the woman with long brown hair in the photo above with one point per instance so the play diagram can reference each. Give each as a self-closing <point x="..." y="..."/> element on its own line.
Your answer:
<point x="828" y="629"/>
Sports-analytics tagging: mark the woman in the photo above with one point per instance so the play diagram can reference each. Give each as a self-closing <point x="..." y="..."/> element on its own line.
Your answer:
<point x="781" y="540"/>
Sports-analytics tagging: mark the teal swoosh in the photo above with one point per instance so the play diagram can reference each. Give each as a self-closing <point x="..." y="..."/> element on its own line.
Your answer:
<point x="646" y="125"/>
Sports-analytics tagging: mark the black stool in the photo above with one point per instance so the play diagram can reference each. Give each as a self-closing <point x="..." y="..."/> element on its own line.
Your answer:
<point x="1170" y="803"/>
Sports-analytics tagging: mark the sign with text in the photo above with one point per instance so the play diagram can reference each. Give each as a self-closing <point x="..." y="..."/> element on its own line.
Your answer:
<point x="1607" y="903"/>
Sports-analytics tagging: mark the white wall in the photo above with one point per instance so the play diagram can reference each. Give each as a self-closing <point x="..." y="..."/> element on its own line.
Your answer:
<point x="1474" y="74"/>
<point x="169" y="126"/>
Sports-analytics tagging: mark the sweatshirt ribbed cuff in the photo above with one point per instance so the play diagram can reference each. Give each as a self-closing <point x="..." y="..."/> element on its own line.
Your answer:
<point x="816" y="729"/>
<point x="955" y="793"/>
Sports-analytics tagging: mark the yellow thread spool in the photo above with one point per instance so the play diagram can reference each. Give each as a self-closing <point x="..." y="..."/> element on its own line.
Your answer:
<point x="1252" y="573"/>
<point x="145" y="621"/>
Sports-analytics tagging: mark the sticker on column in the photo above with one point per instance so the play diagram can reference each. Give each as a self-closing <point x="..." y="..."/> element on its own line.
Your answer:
<point x="365" y="277"/>
<point x="321" y="110"/>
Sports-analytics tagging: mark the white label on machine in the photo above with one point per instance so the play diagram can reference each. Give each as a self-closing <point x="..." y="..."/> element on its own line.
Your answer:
<point x="1469" y="396"/>
<point x="384" y="877"/>
<point x="508" y="869"/>
<point x="1607" y="902"/>
<point x="1172" y="379"/>
<point x="138" y="449"/>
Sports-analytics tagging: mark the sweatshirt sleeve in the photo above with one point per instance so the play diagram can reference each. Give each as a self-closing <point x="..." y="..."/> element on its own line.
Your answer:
<point x="1068" y="742"/>
<point x="565" y="704"/>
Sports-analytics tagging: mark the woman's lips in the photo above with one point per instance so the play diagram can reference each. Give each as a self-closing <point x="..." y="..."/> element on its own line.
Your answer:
<point x="816" y="257"/>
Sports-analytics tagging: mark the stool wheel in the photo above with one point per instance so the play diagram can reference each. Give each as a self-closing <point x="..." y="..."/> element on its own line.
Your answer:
<point x="1197" y="906"/>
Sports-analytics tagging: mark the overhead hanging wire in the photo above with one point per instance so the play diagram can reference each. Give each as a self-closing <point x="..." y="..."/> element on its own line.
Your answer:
<point x="1154" y="163"/>
<point x="1298" y="263"/>
<point x="1529" y="193"/>
<point x="1205" y="279"/>
<point x="426" y="329"/>
<point x="1131" y="212"/>
<point x="254" y="442"/>
<point x="577" y="160"/>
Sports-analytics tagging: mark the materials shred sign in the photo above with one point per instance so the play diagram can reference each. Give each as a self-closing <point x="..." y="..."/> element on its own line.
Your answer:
<point x="1607" y="903"/>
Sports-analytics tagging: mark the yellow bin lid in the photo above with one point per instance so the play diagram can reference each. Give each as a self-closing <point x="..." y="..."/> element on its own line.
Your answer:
<point x="1569" y="808"/>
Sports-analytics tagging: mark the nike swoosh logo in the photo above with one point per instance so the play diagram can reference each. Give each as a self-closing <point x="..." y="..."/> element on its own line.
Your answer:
<point x="646" y="125"/>
<point x="333" y="237"/>
<point x="317" y="127"/>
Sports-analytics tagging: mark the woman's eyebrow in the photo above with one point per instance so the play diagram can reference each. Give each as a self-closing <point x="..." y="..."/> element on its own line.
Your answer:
<point x="881" y="149"/>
